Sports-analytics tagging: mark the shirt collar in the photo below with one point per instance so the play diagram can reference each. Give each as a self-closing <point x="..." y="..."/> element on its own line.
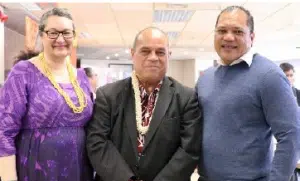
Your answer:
<point x="247" y="57"/>
<point x="144" y="92"/>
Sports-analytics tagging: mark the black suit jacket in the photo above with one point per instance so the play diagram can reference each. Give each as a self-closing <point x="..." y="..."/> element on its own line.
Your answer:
<point x="172" y="144"/>
<point x="297" y="94"/>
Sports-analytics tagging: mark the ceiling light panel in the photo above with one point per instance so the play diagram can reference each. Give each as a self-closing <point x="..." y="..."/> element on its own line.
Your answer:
<point x="172" y="35"/>
<point x="31" y="6"/>
<point x="172" y="15"/>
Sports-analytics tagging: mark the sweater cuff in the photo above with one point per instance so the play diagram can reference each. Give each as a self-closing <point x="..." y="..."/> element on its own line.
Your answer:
<point x="8" y="168"/>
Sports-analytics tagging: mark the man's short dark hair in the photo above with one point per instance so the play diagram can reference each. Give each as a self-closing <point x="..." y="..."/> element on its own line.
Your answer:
<point x="88" y="71"/>
<point x="286" y="67"/>
<point x="250" y="20"/>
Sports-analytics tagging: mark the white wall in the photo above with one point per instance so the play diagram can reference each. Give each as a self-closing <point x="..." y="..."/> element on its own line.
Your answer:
<point x="183" y="71"/>
<point x="14" y="43"/>
<point x="277" y="52"/>
<point x="201" y="65"/>
<point x="175" y="70"/>
<point x="189" y="69"/>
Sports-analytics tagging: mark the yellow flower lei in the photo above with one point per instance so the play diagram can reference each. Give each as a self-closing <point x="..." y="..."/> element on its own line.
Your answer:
<point x="79" y="92"/>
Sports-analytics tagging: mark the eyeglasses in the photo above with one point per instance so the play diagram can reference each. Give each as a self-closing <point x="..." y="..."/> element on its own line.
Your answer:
<point x="55" y="34"/>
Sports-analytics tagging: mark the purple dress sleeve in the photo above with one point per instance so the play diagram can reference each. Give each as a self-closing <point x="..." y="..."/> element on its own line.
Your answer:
<point x="13" y="100"/>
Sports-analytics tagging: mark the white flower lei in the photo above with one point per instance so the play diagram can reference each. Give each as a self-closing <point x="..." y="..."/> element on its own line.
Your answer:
<point x="138" y="107"/>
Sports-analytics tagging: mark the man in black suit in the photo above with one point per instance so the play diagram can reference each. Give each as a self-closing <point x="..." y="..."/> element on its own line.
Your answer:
<point x="146" y="127"/>
<point x="289" y="71"/>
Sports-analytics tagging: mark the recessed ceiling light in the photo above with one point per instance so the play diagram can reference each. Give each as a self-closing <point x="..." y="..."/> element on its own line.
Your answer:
<point x="127" y="51"/>
<point x="116" y="55"/>
<point x="107" y="57"/>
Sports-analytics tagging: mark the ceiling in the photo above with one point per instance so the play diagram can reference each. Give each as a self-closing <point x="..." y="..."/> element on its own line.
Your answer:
<point x="108" y="29"/>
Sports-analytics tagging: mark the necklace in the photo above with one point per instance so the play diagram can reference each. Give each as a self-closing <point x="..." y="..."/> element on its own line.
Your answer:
<point x="79" y="92"/>
<point x="138" y="107"/>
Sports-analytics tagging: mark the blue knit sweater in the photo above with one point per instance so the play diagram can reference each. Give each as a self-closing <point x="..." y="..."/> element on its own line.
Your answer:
<point x="243" y="106"/>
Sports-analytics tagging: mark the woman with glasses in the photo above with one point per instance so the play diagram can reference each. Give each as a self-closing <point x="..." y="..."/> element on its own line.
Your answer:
<point x="44" y="106"/>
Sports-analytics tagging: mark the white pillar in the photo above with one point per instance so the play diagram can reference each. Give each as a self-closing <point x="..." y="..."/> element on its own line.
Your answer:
<point x="2" y="67"/>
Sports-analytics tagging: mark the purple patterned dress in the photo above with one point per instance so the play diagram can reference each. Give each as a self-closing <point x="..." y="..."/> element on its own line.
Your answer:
<point x="38" y="126"/>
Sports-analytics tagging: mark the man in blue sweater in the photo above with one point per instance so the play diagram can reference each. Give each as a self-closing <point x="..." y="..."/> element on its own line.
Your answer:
<point x="245" y="99"/>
